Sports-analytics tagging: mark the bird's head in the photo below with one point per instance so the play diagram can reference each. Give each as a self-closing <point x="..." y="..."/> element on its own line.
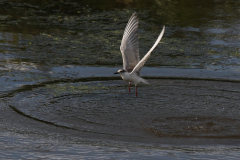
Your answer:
<point x="120" y="71"/>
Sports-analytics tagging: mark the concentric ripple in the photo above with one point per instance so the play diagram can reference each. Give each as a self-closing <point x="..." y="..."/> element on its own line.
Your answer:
<point x="167" y="108"/>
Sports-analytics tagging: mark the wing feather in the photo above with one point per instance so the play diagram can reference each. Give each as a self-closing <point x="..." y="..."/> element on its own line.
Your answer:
<point x="141" y="63"/>
<point x="129" y="45"/>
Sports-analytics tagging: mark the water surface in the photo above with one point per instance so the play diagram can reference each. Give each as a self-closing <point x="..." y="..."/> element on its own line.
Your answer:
<point x="59" y="98"/>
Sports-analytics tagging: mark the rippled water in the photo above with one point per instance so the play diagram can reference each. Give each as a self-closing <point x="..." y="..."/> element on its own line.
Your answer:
<point x="167" y="108"/>
<point x="60" y="100"/>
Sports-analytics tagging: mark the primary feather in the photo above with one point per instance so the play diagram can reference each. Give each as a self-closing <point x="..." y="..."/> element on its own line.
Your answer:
<point x="140" y="64"/>
<point x="129" y="45"/>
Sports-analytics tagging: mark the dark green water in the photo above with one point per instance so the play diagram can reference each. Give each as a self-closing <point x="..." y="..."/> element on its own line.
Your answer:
<point x="60" y="100"/>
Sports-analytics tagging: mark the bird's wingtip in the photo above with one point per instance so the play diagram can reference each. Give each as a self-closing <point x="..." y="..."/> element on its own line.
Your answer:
<point x="134" y="14"/>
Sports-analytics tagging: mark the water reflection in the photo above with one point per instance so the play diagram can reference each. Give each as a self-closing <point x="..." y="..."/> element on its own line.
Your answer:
<point x="178" y="12"/>
<point x="92" y="30"/>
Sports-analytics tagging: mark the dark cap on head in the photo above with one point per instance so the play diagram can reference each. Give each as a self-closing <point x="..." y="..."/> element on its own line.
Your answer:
<point x="120" y="71"/>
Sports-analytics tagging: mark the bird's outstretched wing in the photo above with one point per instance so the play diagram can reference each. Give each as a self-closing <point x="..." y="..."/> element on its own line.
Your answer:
<point x="129" y="44"/>
<point x="140" y="64"/>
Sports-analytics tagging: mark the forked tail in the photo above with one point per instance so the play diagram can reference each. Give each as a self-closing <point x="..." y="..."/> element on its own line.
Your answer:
<point x="145" y="81"/>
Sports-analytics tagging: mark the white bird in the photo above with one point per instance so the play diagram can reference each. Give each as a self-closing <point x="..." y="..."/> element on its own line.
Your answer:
<point x="130" y="53"/>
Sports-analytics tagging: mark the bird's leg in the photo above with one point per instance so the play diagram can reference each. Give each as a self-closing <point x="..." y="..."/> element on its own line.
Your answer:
<point x="136" y="90"/>
<point x="129" y="87"/>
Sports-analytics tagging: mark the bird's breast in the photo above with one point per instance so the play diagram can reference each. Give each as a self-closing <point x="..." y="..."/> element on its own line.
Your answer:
<point x="133" y="78"/>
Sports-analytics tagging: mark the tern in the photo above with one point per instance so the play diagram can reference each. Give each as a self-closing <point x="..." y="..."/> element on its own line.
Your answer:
<point x="130" y="53"/>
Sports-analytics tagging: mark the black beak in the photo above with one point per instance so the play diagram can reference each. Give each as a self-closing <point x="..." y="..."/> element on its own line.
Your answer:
<point x="116" y="73"/>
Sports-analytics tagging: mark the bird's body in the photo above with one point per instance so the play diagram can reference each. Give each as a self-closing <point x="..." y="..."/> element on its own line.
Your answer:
<point x="132" y="77"/>
<point x="130" y="53"/>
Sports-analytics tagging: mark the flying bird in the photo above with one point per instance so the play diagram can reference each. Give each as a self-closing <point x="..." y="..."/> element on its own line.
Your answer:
<point x="132" y="64"/>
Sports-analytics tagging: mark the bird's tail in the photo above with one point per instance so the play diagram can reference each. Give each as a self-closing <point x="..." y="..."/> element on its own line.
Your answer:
<point x="145" y="81"/>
